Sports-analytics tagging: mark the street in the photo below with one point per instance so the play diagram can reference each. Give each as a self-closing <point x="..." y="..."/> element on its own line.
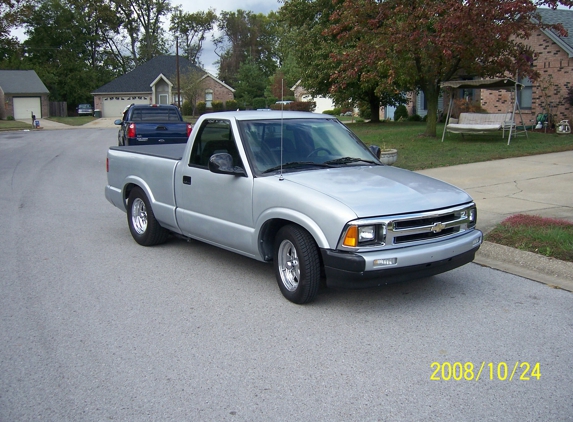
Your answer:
<point x="95" y="327"/>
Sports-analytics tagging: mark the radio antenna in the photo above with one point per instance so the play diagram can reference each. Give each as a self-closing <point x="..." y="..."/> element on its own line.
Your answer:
<point x="281" y="178"/>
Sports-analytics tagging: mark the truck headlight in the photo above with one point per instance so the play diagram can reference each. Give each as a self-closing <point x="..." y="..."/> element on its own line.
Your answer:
<point x="360" y="236"/>
<point x="366" y="234"/>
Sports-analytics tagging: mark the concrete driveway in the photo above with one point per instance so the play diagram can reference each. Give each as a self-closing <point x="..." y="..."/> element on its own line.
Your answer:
<point x="537" y="185"/>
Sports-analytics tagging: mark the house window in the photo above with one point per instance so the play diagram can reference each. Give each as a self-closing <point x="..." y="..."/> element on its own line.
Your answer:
<point x="209" y="98"/>
<point x="525" y="95"/>
<point x="423" y="104"/>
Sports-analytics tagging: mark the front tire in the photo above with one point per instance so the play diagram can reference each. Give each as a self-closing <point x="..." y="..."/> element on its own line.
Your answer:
<point x="297" y="264"/>
<point x="142" y="223"/>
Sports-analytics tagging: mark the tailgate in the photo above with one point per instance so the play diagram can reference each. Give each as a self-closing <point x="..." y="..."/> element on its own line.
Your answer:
<point x="159" y="133"/>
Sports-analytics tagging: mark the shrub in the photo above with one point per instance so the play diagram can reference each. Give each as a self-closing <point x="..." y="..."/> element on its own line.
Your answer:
<point x="296" y="106"/>
<point x="259" y="103"/>
<point x="201" y="107"/>
<point x="330" y="112"/>
<point x="217" y="105"/>
<point x="400" y="113"/>
<point x="364" y="111"/>
<point x="462" y="105"/>
<point x="10" y="118"/>
<point x="231" y="105"/>
<point x="187" y="108"/>
<point x="415" y="118"/>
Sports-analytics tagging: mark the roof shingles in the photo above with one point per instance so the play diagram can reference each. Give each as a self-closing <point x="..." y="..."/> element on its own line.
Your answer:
<point x="139" y="80"/>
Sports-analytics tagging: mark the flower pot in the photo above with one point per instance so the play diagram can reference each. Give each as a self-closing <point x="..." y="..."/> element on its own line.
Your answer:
<point x="563" y="127"/>
<point x="388" y="156"/>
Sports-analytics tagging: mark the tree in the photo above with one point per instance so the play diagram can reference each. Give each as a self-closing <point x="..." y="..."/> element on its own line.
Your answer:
<point x="320" y="56"/>
<point x="143" y="20"/>
<point x="421" y="43"/>
<point x="12" y="13"/>
<point x="251" y="82"/>
<point x="191" y="86"/>
<point x="191" y="28"/>
<point x="245" y="35"/>
<point x="71" y="60"/>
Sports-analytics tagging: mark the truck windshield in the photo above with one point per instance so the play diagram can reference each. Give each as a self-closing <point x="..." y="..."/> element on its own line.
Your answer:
<point x="306" y="144"/>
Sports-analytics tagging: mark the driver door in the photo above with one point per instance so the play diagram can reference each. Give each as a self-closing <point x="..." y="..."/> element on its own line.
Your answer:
<point x="215" y="208"/>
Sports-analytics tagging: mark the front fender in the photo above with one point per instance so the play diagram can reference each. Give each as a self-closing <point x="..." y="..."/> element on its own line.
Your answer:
<point x="272" y="219"/>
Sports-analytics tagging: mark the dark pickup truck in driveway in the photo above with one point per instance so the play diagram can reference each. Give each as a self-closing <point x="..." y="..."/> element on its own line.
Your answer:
<point x="152" y="124"/>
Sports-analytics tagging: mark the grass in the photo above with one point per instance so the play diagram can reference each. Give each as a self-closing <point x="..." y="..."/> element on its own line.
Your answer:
<point x="73" y="121"/>
<point x="545" y="236"/>
<point x="417" y="152"/>
<point x="14" y="125"/>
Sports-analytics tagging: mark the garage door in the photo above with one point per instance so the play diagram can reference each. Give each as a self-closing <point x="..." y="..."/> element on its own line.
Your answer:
<point x="25" y="106"/>
<point x="114" y="106"/>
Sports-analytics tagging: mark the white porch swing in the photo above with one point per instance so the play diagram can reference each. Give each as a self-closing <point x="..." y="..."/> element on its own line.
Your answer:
<point x="477" y="123"/>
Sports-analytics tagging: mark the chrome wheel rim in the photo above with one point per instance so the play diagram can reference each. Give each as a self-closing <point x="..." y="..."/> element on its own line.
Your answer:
<point x="288" y="265"/>
<point x="139" y="216"/>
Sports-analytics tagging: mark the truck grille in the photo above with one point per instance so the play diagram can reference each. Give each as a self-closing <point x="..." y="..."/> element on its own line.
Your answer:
<point x="412" y="229"/>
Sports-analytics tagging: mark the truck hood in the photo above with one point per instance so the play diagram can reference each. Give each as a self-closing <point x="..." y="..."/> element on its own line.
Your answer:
<point x="372" y="191"/>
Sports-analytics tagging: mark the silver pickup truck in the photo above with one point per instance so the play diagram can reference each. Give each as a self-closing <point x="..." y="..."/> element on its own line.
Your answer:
<point x="299" y="190"/>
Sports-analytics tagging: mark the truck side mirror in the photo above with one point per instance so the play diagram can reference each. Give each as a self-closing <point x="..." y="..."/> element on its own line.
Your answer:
<point x="117" y="122"/>
<point x="375" y="149"/>
<point x="222" y="163"/>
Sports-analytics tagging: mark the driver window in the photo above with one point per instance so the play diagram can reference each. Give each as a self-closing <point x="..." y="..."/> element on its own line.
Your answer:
<point x="215" y="136"/>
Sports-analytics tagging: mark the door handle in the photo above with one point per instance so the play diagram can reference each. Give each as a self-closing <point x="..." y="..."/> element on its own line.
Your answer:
<point x="186" y="180"/>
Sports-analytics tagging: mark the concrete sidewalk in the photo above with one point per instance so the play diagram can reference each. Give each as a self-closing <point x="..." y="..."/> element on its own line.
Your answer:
<point x="536" y="185"/>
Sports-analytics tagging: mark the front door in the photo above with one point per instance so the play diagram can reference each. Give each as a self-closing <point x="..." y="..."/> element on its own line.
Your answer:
<point x="216" y="208"/>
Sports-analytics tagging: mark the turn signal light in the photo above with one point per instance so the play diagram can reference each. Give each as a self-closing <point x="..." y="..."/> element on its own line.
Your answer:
<point x="351" y="237"/>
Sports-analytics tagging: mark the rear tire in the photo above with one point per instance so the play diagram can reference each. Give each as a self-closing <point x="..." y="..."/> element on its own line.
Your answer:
<point x="297" y="264"/>
<point x="142" y="223"/>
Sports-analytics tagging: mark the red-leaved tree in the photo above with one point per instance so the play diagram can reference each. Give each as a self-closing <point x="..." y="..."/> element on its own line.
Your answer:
<point x="418" y="44"/>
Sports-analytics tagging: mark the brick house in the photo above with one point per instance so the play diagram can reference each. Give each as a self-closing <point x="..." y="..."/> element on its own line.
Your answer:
<point x="553" y="59"/>
<point x="22" y="93"/>
<point x="155" y="82"/>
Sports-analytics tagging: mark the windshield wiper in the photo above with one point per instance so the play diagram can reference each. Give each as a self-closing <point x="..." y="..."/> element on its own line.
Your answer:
<point x="348" y="160"/>
<point x="295" y="164"/>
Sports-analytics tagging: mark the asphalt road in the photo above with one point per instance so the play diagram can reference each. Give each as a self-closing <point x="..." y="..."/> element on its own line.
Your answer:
<point x="94" y="327"/>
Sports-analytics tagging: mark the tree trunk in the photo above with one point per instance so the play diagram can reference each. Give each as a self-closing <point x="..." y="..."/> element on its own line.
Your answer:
<point x="374" y="101"/>
<point x="432" y="94"/>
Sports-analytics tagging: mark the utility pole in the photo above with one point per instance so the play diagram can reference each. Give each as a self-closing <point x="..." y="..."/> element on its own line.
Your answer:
<point x="177" y="64"/>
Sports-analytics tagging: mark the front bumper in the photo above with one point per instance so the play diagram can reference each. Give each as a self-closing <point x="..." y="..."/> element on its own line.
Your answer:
<point x="359" y="270"/>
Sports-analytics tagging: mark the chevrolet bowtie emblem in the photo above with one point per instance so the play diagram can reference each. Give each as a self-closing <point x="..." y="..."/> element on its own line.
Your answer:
<point x="438" y="227"/>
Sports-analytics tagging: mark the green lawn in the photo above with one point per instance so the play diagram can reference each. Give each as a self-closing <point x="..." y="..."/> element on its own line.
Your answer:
<point x="73" y="121"/>
<point x="545" y="236"/>
<point x="417" y="152"/>
<point x="14" y="125"/>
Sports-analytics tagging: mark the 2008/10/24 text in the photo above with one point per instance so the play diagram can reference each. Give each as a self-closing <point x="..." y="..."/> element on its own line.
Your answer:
<point x="458" y="371"/>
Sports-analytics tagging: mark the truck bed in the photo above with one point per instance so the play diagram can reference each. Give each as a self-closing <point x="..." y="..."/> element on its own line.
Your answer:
<point x="169" y="151"/>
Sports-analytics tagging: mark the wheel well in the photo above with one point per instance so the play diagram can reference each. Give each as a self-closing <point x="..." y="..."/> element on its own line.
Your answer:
<point x="268" y="234"/>
<point x="127" y="191"/>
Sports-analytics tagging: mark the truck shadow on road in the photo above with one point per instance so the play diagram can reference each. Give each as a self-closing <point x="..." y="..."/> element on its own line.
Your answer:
<point x="258" y="279"/>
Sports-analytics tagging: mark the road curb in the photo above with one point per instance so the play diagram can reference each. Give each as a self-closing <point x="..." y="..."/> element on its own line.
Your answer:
<point x="550" y="271"/>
